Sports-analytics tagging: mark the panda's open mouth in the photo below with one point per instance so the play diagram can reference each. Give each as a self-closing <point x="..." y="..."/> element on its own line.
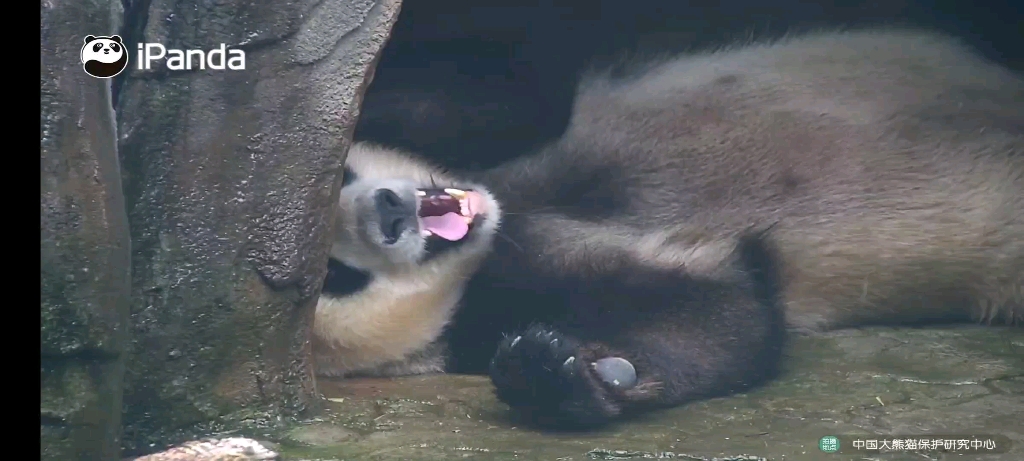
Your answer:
<point x="448" y="213"/>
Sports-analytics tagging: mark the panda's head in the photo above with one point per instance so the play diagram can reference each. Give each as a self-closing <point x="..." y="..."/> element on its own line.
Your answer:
<point x="103" y="49"/>
<point x="104" y="57"/>
<point x="398" y="213"/>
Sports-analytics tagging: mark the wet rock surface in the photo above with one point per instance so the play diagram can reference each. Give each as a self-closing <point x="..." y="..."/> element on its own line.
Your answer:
<point x="876" y="383"/>
<point x="230" y="177"/>
<point x="84" y="242"/>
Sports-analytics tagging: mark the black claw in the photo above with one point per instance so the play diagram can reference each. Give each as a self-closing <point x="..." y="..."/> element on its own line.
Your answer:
<point x="539" y="372"/>
<point x="568" y="367"/>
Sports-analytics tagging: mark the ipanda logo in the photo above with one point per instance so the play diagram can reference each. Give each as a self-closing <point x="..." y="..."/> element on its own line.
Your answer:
<point x="106" y="57"/>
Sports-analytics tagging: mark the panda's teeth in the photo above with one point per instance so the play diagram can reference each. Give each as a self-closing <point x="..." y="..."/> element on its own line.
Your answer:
<point x="464" y="207"/>
<point x="420" y="193"/>
<point x="457" y="193"/>
<point x="425" y="233"/>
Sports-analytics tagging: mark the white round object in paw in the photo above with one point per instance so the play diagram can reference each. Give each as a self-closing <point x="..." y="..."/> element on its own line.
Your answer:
<point x="616" y="371"/>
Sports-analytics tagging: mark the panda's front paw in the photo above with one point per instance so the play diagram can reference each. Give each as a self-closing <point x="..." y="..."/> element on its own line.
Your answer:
<point x="546" y="377"/>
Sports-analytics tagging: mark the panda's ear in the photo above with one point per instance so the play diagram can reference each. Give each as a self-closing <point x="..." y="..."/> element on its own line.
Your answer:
<point x="116" y="38"/>
<point x="89" y="38"/>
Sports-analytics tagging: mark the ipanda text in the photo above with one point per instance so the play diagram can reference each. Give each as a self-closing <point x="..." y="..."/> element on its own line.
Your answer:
<point x="217" y="59"/>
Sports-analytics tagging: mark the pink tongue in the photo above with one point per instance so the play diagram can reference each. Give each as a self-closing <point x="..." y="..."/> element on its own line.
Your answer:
<point x="451" y="226"/>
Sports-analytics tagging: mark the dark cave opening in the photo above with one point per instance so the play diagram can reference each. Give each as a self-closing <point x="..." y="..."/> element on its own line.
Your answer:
<point x="470" y="86"/>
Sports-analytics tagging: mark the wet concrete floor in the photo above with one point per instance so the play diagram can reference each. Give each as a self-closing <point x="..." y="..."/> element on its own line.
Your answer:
<point x="861" y="386"/>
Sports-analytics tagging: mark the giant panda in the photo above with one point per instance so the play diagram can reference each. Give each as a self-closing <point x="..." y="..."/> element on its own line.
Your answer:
<point x="694" y="210"/>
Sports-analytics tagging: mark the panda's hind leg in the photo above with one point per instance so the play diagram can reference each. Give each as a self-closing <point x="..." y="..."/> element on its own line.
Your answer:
<point x="550" y="378"/>
<point x="687" y="337"/>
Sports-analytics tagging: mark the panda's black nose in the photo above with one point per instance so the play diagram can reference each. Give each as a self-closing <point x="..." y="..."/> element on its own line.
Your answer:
<point x="396" y="214"/>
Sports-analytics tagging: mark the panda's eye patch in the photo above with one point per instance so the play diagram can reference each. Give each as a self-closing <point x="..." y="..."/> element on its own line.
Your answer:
<point x="97" y="47"/>
<point x="114" y="47"/>
<point x="347" y="177"/>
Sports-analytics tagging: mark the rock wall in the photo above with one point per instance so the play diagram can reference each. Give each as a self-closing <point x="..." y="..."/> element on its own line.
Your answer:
<point x="228" y="180"/>
<point x="84" y="242"/>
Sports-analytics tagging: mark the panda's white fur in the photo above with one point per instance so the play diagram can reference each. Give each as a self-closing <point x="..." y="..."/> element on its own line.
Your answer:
<point x="389" y="326"/>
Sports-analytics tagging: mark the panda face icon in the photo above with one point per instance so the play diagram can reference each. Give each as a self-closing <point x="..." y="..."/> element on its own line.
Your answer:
<point x="104" y="57"/>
